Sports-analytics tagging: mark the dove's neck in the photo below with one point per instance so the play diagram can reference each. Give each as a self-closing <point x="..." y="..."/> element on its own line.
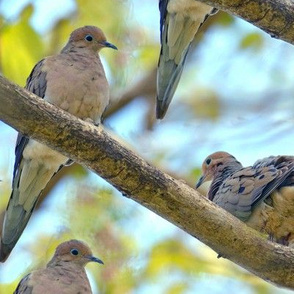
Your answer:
<point x="71" y="270"/>
<point x="229" y="168"/>
<point x="223" y="172"/>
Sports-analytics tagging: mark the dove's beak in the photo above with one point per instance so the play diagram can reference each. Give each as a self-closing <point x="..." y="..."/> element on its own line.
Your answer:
<point x="109" y="45"/>
<point x="95" y="259"/>
<point x="200" y="181"/>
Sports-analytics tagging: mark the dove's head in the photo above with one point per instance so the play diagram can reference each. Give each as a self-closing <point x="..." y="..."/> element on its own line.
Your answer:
<point x="89" y="37"/>
<point x="214" y="164"/>
<point x="75" y="252"/>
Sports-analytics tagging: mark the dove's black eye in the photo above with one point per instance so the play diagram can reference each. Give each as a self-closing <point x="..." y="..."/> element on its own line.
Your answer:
<point x="89" y="38"/>
<point x="74" y="251"/>
<point x="208" y="161"/>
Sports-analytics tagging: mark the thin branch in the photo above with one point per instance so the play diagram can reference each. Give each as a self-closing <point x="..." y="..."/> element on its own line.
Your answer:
<point x="275" y="17"/>
<point x="92" y="147"/>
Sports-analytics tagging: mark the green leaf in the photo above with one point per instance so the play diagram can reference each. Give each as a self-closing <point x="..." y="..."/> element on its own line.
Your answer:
<point x="253" y="40"/>
<point x="21" y="47"/>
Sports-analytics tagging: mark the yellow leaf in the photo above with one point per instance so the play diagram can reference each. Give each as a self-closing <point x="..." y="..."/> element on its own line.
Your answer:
<point x="253" y="40"/>
<point x="21" y="47"/>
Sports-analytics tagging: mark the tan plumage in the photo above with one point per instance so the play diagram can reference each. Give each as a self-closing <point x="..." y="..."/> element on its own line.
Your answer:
<point x="64" y="274"/>
<point x="73" y="80"/>
<point x="261" y="195"/>
<point x="179" y="22"/>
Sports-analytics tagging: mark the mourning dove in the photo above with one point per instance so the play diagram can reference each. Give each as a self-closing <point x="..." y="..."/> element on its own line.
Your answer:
<point x="261" y="195"/>
<point x="179" y="22"/>
<point x="73" y="80"/>
<point x="64" y="274"/>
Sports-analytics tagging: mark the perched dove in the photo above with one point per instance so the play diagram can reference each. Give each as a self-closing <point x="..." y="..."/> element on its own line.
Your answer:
<point x="179" y="22"/>
<point x="261" y="195"/>
<point x="64" y="274"/>
<point x="73" y="80"/>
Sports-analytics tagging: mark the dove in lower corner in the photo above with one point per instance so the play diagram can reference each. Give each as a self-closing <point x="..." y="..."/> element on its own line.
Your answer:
<point x="65" y="272"/>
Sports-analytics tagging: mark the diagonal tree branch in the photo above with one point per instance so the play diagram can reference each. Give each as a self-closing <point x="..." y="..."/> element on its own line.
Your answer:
<point x="135" y="178"/>
<point x="275" y="17"/>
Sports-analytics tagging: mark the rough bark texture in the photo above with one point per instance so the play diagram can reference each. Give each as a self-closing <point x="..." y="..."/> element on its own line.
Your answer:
<point x="138" y="180"/>
<point x="275" y="17"/>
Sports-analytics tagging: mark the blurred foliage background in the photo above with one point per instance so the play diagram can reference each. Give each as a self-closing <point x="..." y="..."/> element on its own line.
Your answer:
<point x="235" y="95"/>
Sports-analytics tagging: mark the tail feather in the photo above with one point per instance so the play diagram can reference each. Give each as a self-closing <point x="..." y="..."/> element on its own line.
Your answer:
<point x="178" y="28"/>
<point x="30" y="180"/>
<point x="168" y="77"/>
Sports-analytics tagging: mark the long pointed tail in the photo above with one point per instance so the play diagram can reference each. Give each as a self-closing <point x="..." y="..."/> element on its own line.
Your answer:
<point x="168" y="77"/>
<point x="179" y="24"/>
<point x="29" y="181"/>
